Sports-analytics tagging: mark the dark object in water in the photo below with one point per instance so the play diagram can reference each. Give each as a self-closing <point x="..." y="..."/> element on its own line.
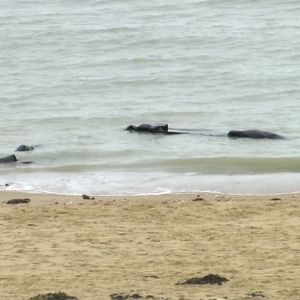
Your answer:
<point x="6" y="184"/>
<point x="11" y="159"/>
<point x="53" y="296"/>
<point x="24" y="148"/>
<point x="18" y="201"/>
<point x="8" y="159"/>
<point x="164" y="129"/>
<point x="86" y="197"/>
<point x="254" y="134"/>
<point x="208" y="279"/>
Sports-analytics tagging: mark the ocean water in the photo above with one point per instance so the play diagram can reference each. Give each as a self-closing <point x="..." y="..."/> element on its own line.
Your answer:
<point x="74" y="74"/>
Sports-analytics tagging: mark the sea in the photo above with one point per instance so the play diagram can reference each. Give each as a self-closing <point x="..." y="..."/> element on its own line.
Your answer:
<point x="74" y="74"/>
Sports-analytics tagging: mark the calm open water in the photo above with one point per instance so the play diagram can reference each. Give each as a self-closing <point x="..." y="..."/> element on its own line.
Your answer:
<point x="74" y="74"/>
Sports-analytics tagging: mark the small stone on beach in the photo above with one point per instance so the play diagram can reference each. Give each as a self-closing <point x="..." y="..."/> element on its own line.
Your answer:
<point x="256" y="294"/>
<point x="208" y="279"/>
<point x="275" y="199"/>
<point x="151" y="276"/>
<point x="135" y="296"/>
<point x="18" y="201"/>
<point x="198" y="198"/>
<point x="86" y="197"/>
<point x="125" y="297"/>
<point x="53" y="296"/>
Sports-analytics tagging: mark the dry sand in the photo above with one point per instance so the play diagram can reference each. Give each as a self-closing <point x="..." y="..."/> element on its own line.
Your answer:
<point x="94" y="248"/>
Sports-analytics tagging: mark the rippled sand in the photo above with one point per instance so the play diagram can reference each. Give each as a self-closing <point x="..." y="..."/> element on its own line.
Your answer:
<point x="93" y="248"/>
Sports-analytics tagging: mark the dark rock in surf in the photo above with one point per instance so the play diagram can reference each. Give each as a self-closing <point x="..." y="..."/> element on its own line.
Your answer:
<point x="164" y="129"/>
<point x="8" y="159"/>
<point x="147" y="128"/>
<point x="12" y="159"/>
<point x="5" y="184"/>
<point x="253" y="134"/>
<point x="23" y="148"/>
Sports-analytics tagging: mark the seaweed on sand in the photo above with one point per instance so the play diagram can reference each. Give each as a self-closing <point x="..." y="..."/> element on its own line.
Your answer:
<point x="53" y="296"/>
<point x="208" y="279"/>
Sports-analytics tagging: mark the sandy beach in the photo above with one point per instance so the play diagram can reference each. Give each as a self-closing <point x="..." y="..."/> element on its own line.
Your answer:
<point x="144" y="245"/>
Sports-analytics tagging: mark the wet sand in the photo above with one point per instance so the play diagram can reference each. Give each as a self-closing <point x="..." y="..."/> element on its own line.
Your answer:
<point x="146" y="244"/>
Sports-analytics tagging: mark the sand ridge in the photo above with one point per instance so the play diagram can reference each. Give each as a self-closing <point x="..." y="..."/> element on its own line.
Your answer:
<point x="146" y="244"/>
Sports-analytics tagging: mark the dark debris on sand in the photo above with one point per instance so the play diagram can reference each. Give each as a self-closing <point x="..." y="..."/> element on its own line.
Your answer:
<point x="134" y="297"/>
<point x="198" y="198"/>
<point x="256" y="294"/>
<point x="86" y="197"/>
<point x="125" y="296"/>
<point x="18" y="201"/>
<point x="208" y="279"/>
<point x="275" y="199"/>
<point x="53" y="296"/>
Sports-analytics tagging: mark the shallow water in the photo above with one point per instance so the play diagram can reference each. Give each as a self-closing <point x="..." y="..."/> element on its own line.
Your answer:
<point x="74" y="74"/>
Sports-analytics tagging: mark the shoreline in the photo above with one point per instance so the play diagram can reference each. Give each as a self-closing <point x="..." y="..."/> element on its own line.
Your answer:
<point x="94" y="248"/>
<point x="38" y="198"/>
<point x="152" y="184"/>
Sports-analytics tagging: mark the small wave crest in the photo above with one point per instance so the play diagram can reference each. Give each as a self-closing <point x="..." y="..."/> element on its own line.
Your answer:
<point x="232" y="165"/>
<point x="200" y="166"/>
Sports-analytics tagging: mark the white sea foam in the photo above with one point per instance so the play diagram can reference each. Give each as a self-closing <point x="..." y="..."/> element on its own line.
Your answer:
<point x="154" y="183"/>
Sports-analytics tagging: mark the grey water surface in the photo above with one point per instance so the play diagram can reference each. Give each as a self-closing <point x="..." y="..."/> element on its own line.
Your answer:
<point x="74" y="74"/>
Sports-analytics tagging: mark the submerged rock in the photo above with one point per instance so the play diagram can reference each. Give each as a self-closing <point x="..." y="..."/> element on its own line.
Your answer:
<point x="12" y="159"/>
<point x="22" y="148"/>
<point x="8" y="159"/>
<point x="26" y="162"/>
<point x="53" y="296"/>
<point x="208" y="279"/>
<point x="147" y="128"/>
<point x="254" y="134"/>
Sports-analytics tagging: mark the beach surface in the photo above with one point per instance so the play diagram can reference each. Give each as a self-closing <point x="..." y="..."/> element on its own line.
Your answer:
<point x="144" y="245"/>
